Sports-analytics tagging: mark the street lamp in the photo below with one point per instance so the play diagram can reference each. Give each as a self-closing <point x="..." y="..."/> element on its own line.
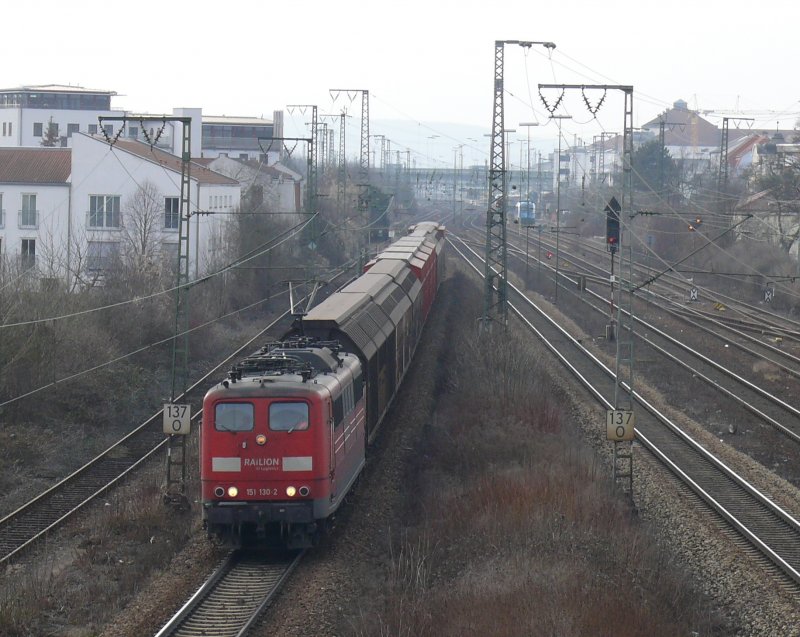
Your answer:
<point x="558" y="118"/>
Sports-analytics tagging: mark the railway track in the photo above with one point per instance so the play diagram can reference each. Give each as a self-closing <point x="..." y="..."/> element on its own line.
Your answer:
<point x="767" y="527"/>
<point x="232" y="599"/>
<point x="22" y="528"/>
<point x="740" y="315"/>
<point x="768" y="407"/>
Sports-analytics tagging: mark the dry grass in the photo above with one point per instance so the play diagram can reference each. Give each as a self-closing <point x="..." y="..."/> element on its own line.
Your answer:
<point x="517" y="529"/>
<point x="120" y="543"/>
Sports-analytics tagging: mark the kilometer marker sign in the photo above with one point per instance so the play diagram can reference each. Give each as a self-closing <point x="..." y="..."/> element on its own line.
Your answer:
<point x="620" y="424"/>
<point x="177" y="419"/>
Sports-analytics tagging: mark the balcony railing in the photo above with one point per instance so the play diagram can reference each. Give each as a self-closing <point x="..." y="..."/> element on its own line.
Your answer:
<point x="28" y="218"/>
<point x="103" y="221"/>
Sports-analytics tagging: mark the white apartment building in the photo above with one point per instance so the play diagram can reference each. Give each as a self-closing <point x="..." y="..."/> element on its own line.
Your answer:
<point x="35" y="207"/>
<point x="26" y="113"/>
<point x="68" y="212"/>
<point x="105" y="182"/>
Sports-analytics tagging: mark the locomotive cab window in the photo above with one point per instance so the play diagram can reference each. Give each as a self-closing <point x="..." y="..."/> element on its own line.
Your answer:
<point x="233" y="417"/>
<point x="288" y="416"/>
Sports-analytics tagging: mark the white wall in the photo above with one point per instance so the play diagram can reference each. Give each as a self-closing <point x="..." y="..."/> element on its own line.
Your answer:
<point x="50" y="231"/>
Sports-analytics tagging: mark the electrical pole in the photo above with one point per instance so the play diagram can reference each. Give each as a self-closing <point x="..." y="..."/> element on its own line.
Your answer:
<point x="363" y="173"/>
<point x="620" y="421"/>
<point x="496" y="305"/>
<point x="176" y="470"/>
<point x="558" y="118"/>
<point x="722" y="178"/>
<point x="663" y="146"/>
<point x="311" y="161"/>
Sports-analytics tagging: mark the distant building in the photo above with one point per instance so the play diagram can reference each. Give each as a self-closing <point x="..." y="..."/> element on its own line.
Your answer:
<point x="26" y="112"/>
<point x="275" y="187"/>
<point x="246" y="138"/>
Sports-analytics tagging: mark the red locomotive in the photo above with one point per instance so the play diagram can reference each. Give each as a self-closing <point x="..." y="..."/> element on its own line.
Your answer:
<point x="283" y="439"/>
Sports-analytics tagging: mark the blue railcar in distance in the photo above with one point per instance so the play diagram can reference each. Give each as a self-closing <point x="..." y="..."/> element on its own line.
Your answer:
<point x="526" y="213"/>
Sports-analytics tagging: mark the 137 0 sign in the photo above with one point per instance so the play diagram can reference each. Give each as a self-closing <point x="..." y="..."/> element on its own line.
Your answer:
<point x="620" y="424"/>
<point x="177" y="419"/>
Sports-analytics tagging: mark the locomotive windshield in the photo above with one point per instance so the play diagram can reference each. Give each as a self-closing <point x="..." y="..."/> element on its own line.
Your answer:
<point x="288" y="416"/>
<point x="233" y="417"/>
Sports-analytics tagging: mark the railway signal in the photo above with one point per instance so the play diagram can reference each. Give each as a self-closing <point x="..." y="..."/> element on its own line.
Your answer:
<point x="612" y="225"/>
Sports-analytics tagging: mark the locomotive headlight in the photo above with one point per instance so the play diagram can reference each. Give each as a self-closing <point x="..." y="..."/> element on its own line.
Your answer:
<point x="291" y="491"/>
<point x="233" y="492"/>
<point x="261" y="439"/>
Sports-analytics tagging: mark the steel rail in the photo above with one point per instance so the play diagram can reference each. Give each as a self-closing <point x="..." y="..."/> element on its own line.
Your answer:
<point x="789" y="524"/>
<point x="233" y="597"/>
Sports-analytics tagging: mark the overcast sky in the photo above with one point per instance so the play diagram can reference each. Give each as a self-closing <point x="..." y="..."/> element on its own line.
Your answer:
<point x="423" y="62"/>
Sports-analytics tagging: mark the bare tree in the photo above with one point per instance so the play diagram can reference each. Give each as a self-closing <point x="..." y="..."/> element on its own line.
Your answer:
<point x="781" y="181"/>
<point x="144" y="219"/>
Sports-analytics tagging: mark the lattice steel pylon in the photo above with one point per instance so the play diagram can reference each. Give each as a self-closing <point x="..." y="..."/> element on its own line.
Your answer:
<point x="175" y="489"/>
<point x="624" y="364"/>
<point x="495" y="306"/>
<point x="622" y="470"/>
<point x="312" y="167"/>
<point x="341" y="182"/>
<point x="722" y="176"/>
<point x="363" y="172"/>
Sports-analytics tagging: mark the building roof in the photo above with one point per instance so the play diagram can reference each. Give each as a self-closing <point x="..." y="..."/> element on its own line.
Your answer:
<point x="684" y="127"/>
<point x="224" y="120"/>
<point x="35" y="165"/>
<point x="199" y="173"/>
<point x="55" y="88"/>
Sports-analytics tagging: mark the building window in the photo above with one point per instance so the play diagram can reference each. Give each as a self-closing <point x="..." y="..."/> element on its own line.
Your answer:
<point x="93" y="129"/>
<point x="244" y="156"/>
<point x="104" y="211"/>
<point x="100" y="255"/>
<point x="38" y="129"/>
<point x="4" y="129"/>
<point x="10" y="124"/>
<point x="133" y="132"/>
<point x="27" y="254"/>
<point x="172" y="213"/>
<point x="72" y="128"/>
<point x="2" y="213"/>
<point x="109" y="129"/>
<point x="28" y="216"/>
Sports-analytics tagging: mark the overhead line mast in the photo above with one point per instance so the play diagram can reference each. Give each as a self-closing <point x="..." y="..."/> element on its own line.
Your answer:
<point x="495" y="307"/>
<point x="620" y="420"/>
<point x="175" y="490"/>
<point x="363" y="173"/>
